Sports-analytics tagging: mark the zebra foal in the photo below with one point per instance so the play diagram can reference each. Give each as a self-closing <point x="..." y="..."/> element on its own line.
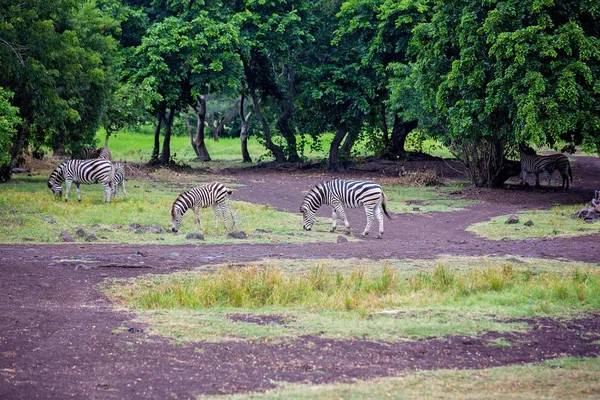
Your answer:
<point x="212" y="194"/>
<point x="563" y="166"/>
<point x="88" y="153"/>
<point x="97" y="170"/>
<point x="339" y="194"/>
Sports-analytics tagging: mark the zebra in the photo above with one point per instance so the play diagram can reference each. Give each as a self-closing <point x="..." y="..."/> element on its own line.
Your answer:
<point x="563" y="166"/>
<point x="338" y="194"/>
<point x="212" y="194"/>
<point x="119" y="179"/>
<point x="82" y="171"/>
<point x="536" y="164"/>
<point x="88" y="153"/>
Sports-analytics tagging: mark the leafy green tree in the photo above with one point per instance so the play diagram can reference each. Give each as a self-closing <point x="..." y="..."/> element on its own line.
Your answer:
<point x="57" y="58"/>
<point x="188" y="51"/>
<point x="8" y="128"/>
<point x="496" y="74"/>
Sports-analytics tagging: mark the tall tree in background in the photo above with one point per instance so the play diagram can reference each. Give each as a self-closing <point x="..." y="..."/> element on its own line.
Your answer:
<point x="57" y="58"/>
<point x="496" y="74"/>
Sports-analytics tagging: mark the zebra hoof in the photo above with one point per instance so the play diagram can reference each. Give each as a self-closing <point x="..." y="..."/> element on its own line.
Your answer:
<point x="380" y="236"/>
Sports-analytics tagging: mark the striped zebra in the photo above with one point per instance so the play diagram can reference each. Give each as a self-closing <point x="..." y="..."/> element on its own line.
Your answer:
<point x="119" y="179"/>
<point x="82" y="171"/>
<point x="563" y="166"/>
<point x="339" y="194"/>
<point x="533" y="163"/>
<point x="212" y="194"/>
<point x="88" y="153"/>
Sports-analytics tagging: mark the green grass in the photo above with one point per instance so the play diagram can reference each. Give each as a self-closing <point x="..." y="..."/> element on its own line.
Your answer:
<point x="408" y="199"/>
<point x="566" y="378"/>
<point x="556" y="222"/>
<point x="29" y="212"/>
<point x="136" y="146"/>
<point x="382" y="302"/>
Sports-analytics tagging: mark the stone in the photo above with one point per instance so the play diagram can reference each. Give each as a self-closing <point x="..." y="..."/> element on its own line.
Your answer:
<point x="134" y="225"/>
<point x="80" y="232"/>
<point x="65" y="236"/>
<point x="513" y="219"/>
<point x="237" y="235"/>
<point x="91" y="238"/>
<point x="341" y="239"/>
<point x="528" y="223"/>
<point x="194" y="236"/>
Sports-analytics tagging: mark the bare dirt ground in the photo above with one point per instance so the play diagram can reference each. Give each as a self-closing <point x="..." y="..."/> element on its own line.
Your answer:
<point x="56" y="337"/>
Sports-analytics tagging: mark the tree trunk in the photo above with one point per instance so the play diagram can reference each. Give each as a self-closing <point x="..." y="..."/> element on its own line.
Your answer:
<point x="191" y="133"/>
<point x="484" y="160"/>
<point x="156" y="149"/>
<point x="277" y="151"/>
<point x="244" y="132"/>
<point x="165" y="157"/>
<point x="284" y="121"/>
<point x="199" y="142"/>
<point x="384" y="127"/>
<point x="217" y="127"/>
<point x="334" y="148"/>
<point x="400" y="131"/>
<point x="348" y="144"/>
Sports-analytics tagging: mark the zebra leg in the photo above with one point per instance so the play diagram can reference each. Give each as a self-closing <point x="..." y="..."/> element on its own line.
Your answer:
<point x="123" y="187"/>
<point x="333" y="220"/>
<point x="537" y="179"/>
<point x="379" y="215"/>
<point x="337" y="208"/>
<point x="67" y="189"/>
<point x="369" y="212"/>
<point x="197" y="219"/>
<point x="223" y="208"/>
<point x="215" y="208"/>
<point x="78" y="191"/>
<point x="108" y="192"/>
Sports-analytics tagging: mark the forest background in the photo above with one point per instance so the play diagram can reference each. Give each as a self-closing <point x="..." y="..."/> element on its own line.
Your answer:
<point x="481" y="78"/>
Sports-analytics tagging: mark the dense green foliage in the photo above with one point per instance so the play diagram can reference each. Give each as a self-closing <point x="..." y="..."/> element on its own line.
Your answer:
<point x="483" y="78"/>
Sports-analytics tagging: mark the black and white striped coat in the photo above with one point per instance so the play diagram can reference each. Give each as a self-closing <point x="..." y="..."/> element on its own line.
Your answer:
<point x="89" y="153"/>
<point x="339" y="194"/>
<point x="563" y="166"/>
<point x="212" y="194"/>
<point x="119" y="178"/>
<point x="97" y="170"/>
<point x="533" y="163"/>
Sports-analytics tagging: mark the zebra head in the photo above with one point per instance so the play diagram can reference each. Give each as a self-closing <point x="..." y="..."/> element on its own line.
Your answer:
<point x="176" y="216"/>
<point x="309" y="206"/>
<point x="55" y="181"/>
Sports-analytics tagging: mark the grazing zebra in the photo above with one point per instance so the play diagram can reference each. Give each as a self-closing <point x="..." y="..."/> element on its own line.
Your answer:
<point x="212" y="194"/>
<point x="119" y="179"/>
<point x="88" y="153"/>
<point x="536" y="164"/>
<point x="82" y="171"/>
<point x="563" y="166"/>
<point x="339" y="194"/>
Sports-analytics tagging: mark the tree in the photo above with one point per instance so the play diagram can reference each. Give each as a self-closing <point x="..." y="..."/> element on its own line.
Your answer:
<point x="58" y="59"/>
<point x="8" y="128"/>
<point x="493" y="75"/>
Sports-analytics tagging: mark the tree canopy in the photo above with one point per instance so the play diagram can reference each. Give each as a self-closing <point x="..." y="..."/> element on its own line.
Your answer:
<point x="481" y="77"/>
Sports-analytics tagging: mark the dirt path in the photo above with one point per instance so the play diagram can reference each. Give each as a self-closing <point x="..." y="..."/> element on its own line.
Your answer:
<point x="56" y="329"/>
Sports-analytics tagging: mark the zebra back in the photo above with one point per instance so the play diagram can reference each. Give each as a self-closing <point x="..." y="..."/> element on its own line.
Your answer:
<point x="536" y="163"/>
<point x="89" y="153"/>
<point x="349" y="193"/>
<point x="88" y="171"/>
<point x="562" y="164"/>
<point x="200" y="196"/>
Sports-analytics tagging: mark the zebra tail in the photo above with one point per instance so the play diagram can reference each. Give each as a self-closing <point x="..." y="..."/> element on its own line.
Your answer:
<point x="383" y="201"/>
<point x="570" y="173"/>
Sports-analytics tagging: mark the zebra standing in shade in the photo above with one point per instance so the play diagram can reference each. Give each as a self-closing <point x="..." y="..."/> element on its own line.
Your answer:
<point x="339" y="194"/>
<point x="82" y="171"/>
<point x="119" y="179"/>
<point x="532" y="163"/>
<point x="563" y="166"/>
<point x="212" y="194"/>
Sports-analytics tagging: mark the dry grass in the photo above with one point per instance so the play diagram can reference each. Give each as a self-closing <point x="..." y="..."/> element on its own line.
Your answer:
<point x="419" y="178"/>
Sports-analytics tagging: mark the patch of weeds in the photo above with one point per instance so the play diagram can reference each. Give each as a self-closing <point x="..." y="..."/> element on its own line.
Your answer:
<point x="384" y="301"/>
